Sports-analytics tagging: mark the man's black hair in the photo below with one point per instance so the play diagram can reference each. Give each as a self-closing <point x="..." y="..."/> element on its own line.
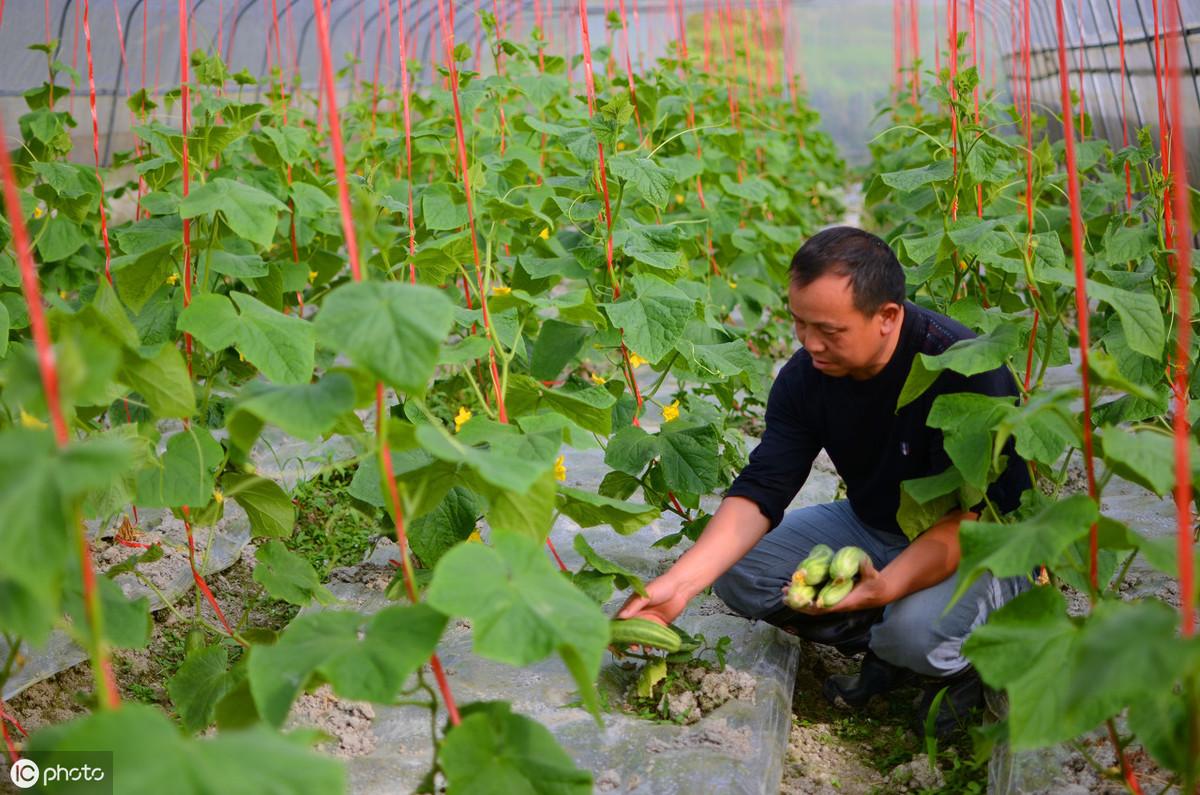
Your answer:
<point x="876" y="276"/>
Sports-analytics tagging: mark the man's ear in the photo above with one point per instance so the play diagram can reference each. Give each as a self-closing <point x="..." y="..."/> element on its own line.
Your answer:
<point x="889" y="317"/>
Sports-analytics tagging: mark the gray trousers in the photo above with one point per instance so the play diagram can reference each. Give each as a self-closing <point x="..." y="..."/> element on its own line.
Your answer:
<point x="912" y="633"/>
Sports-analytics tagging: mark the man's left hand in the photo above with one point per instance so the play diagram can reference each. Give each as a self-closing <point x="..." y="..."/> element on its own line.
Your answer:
<point x="869" y="592"/>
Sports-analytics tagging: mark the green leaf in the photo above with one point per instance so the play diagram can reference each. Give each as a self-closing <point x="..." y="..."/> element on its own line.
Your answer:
<point x="250" y="212"/>
<point x="1022" y="648"/>
<point x="1010" y="550"/>
<point x="280" y="346"/>
<point x="589" y="407"/>
<point x="557" y="344"/>
<point x="648" y="179"/>
<point x="1144" y="456"/>
<point x="923" y="501"/>
<point x="506" y="462"/>
<point x="913" y="178"/>
<point x="521" y="608"/>
<point x="1125" y="652"/>
<point x="967" y="357"/>
<point x="153" y="757"/>
<point x="530" y="513"/>
<point x="654" y="319"/>
<point x="630" y="450"/>
<point x="606" y="566"/>
<point x="212" y="320"/>
<point x="127" y="622"/>
<point x="690" y="459"/>
<point x="393" y="330"/>
<point x="443" y="208"/>
<point x="162" y="381"/>
<point x="395" y="642"/>
<point x="239" y="266"/>
<point x="186" y="474"/>
<point x="62" y="238"/>
<point x="199" y="684"/>
<point x="288" y="576"/>
<point x="752" y="189"/>
<point x="495" y="751"/>
<point x="592" y="510"/>
<point x="305" y="411"/>
<point x="453" y="520"/>
<point x="1140" y="315"/>
<point x="268" y="506"/>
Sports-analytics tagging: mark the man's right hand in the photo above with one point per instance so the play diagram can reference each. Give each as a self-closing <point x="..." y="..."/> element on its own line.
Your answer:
<point x="664" y="601"/>
<point x="735" y="527"/>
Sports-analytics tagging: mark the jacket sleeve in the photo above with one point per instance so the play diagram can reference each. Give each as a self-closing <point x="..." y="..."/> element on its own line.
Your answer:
<point x="780" y="463"/>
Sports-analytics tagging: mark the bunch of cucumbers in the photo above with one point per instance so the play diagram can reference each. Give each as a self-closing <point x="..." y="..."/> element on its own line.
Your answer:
<point x="822" y="563"/>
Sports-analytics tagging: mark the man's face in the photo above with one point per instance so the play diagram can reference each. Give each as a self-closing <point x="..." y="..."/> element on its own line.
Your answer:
<point x="842" y="340"/>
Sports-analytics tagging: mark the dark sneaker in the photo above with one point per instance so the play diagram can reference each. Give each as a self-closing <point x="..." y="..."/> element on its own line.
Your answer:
<point x="876" y="677"/>
<point x="960" y="708"/>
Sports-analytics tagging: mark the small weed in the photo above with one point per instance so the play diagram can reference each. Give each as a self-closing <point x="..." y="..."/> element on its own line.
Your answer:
<point x="331" y="528"/>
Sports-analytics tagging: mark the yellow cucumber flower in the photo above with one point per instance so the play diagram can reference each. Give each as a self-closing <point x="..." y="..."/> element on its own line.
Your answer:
<point x="544" y="234"/>
<point x="501" y="289"/>
<point x="560" y="469"/>
<point x="671" y="412"/>
<point x="173" y="278"/>
<point x="596" y="379"/>
<point x="635" y="360"/>
<point x="461" y="418"/>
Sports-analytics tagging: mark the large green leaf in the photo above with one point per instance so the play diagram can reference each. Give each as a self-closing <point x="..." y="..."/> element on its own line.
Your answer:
<point x="913" y="178"/>
<point x="199" y="684"/>
<point x="162" y="380"/>
<point x="268" y="506"/>
<point x="151" y="757"/>
<point x="288" y="576"/>
<point x="394" y="643"/>
<point x="654" y="319"/>
<point x="690" y="459"/>
<point x="495" y="751"/>
<point x="557" y="344"/>
<point x="630" y="450"/>
<point x="249" y="211"/>
<point x="186" y="474"/>
<point x="590" y="510"/>
<point x="212" y="320"/>
<point x="967" y="357"/>
<point x="506" y="459"/>
<point x="625" y="578"/>
<point x="305" y="411"/>
<point x="1009" y="550"/>
<point x="520" y="606"/>
<point x="435" y="533"/>
<point x="279" y="345"/>
<point x="647" y="178"/>
<point x="1025" y="648"/>
<point x="394" y="330"/>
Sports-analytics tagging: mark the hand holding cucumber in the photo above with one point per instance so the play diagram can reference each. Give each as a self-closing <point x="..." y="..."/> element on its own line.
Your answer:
<point x="829" y="582"/>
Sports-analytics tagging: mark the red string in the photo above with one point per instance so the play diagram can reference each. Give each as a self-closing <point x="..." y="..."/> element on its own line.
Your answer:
<point x="637" y="116"/>
<point x="1182" y="261"/>
<point x="975" y="63"/>
<point x="185" y="109"/>
<point x="447" y="43"/>
<point x="952" y="24"/>
<point x="352" y="252"/>
<point x="87" y="35"/>
<point x="914" y="35"/>
<point x="1081" y="301"/>
<point x="74" y="57"/>
<point x="405" y="90"/>
<point x="1124" y="114"/>
<point x="198" y="577"/>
